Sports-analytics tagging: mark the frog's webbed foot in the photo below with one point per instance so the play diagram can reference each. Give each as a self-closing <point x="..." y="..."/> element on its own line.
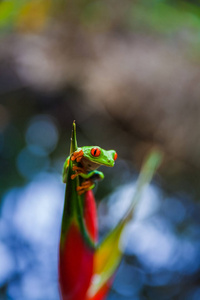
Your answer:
<point x="78" y="171"/>
<point x="85" y="186"/>
<point x="77" y="156"/>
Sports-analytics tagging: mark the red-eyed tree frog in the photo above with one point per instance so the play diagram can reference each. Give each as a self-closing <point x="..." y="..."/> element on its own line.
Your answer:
<point x="89" y="159"/>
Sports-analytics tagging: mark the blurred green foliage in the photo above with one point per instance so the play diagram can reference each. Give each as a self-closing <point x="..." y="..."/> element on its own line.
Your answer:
<point x="162" y="16"/>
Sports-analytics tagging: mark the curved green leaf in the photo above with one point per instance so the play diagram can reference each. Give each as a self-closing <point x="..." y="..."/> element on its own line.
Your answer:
<point x="108" y="254"/>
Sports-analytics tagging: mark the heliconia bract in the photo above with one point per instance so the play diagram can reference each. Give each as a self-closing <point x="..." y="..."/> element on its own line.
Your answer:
<point x="86" y="268"/>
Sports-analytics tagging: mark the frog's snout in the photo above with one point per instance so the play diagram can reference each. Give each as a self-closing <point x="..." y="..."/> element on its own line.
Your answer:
<point x="111" y="162"/>
<point x="111" y="157"/>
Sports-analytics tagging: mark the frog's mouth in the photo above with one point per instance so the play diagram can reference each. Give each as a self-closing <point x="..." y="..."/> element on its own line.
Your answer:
<point x="91" y="165"/>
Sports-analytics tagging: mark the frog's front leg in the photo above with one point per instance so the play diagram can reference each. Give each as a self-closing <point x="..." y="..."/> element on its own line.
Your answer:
<point x="94" y="175"/>
<point x="76" y="156"/>
<point x="78" y="171"/>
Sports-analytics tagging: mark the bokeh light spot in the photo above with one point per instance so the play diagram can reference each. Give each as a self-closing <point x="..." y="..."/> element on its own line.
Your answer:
<point x="7" y="263"/>
<point x="42" y="131"/>
<point x="32" y="160"/>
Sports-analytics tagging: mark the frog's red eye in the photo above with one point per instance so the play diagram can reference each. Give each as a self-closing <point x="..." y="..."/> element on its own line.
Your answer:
<point x="95" y="152"/>
<point x="115" y="156"/>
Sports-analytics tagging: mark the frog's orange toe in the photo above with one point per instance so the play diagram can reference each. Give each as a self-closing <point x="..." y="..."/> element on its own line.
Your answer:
<point x="79" y="159"/>
<point x="78" y="169"/>
<point x="77" y="154"/>
<point x="85" y="186"/>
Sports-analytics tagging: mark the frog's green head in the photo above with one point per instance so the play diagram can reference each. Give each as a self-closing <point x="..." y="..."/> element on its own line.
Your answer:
<point x="98" y="156"/>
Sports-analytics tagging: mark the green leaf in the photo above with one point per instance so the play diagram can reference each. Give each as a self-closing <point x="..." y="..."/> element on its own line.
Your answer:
<point x="73" y="207"/>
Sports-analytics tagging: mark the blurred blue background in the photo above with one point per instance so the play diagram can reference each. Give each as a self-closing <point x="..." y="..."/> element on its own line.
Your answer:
<point x="128" y="72"/>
